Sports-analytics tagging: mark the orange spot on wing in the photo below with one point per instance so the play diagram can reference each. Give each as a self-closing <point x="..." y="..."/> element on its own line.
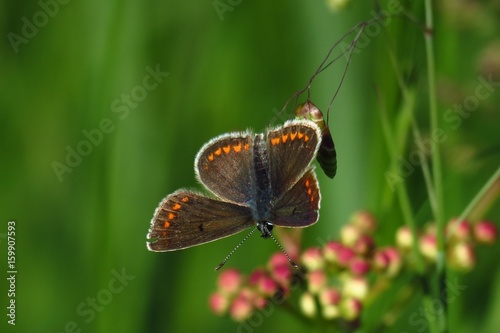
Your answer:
<point x="284" y="137"/>
<point x="227" y="149"/>
<point x="176" y="206"/>
<point x="237" y="148"/>
<point x="293" y="136"/>
<point x="275" y="141"/>
<point x="210" y="157"/>
<point x="218" y="152"/>
<point x="171" y="216"/>
<point x="300" y="135"/>
<point x="306" y="138"/>
<point x="310" y="190"/>
<point x="164" y="234"/>
<point x="246" y="146"/>
<point x="185" y="199"/>
<point x="166" y="225"/>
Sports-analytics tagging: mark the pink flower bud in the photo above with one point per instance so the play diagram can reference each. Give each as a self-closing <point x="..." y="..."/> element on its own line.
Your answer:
<point x="256" y="275"/>
<point x="308" y="304"/>
<point x="218" y="303"/>
<point x="461" y="256"/>
<point x="277" y="259"/>
<point x="259" y="302"/>
<point x="282" y="274"/>
<point x="387" y="261"/>
<point x="345" y="255"/>
<point x="365" y="245"/>
<point x="349" y="234"/>
<point x="404" y="238"/>
<point x="458" y="230"/>
<point x="381" y="261"/>
<point x="280" y="270"/>
<point x="350" y="308"/>
<point x="428" y="246"/>
<point x="365" y="221"/>
<point x="329" y="296"/>
<point x="395" y="261"/>
<point x="316" y="281"/>
<point x="356" y="287"/>
<point x="330" y="311"/>
<point x="313" y="259"/>
<point x="330" y="251"/>
<point x="230" y="281"/>
<point x="247" y="293"/>
<point x="485" y="232"/>
<point x="359" y="266"/>
<point x="267" y="286"/>
<point x="241" y="308"/>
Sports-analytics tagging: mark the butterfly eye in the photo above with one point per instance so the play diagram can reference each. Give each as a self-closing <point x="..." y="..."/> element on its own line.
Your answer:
<point x="265" y="228"/>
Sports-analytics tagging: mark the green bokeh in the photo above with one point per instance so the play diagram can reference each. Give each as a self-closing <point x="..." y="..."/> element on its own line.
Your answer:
<point x="76" y="229"/>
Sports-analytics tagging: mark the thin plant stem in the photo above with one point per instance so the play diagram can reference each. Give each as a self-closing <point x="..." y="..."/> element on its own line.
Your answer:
<point x="436" y="167"/>
<point x="401" y="190"/>
<point x="408" y="105"/>
<point x="425" y="167"/>
<point x="407" y="94"/>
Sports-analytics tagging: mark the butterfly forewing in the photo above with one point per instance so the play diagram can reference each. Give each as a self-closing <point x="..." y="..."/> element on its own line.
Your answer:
<point x="291" y="149"/>
<point x="225" y="166"/>
<point x="186" y="219"/>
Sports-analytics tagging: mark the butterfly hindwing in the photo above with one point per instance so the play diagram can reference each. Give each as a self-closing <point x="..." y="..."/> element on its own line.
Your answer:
<point x="184" y="219"/>
<point x="299" y="206"/>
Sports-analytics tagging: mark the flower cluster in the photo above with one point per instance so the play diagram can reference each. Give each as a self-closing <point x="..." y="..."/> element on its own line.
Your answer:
<point x="461" y="238"/>
<point x="335" y="279"/>
<point x="337" y="273"/>
<point x="332" y="276"/>
<point x="240" y="295"/>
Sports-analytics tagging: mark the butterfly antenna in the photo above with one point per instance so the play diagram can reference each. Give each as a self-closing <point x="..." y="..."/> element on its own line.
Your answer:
<point x="235" y="248"/>
<point x="284" y="252"/>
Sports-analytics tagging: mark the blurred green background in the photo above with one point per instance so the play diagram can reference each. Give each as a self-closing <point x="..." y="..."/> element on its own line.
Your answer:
<point x="77" y="228"/>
